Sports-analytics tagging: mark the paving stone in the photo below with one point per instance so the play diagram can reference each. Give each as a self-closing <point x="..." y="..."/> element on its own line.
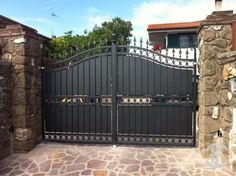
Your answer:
<point x="39" y="174"/>
<point x="26" y="164"/>
<point x="5" y="170"/>
<point x="132" y="168"/>
<point x="108" y="157"/>
<point x="162" y="165"/>
<point x="33" y="171"/>
<point x="56" y="159"/>
<point x="175" y="170"/>
<point x="172" y="160"/>
<point x="33" y="165"/>
<point x="123" y="174"/>
<point x="53" y="172"/>
<point x="183" y="173"/>
<point x="45" y="166"/>
<point x="121" y="166"/>
<point x="81" y="159"/>
<point x="171" y="174"/>
<point x="147" y="163"/>
<point x="41" y="159"/>
<point x="75" y="167"/>
<point x="68" y="158"/>
<point x="96" y="164"/>
<point x="112" y="165"/>
<point x="16" y="172"/>
<point x="150" y="168"/>
<point x="58" y="155"/>
<point x="57" y="165"/>
<point x="112" y="173"/>
<point x="208" y="173"/>
<point x="129" y="161"/>
<point x="100" y="173"/>
<point x="86" y="172"/>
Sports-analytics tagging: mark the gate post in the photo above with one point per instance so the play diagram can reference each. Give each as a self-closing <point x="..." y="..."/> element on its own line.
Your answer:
<point x="114" y="90"/>
<point x="215" y="101"/>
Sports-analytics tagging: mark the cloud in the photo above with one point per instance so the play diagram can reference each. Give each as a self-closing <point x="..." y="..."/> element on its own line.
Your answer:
<point x="91" y="18"/>
<point x="95" y="17"/>
<point x="164" y="11"/>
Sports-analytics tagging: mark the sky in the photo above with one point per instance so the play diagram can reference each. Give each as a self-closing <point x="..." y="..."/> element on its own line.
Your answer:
<point x="80" y="15"/>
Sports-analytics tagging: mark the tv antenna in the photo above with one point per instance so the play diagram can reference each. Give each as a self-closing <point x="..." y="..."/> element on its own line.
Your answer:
<point x="53" y="15"/>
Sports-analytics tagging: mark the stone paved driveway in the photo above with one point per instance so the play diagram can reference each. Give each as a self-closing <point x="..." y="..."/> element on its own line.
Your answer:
<point x="101" y="160"/>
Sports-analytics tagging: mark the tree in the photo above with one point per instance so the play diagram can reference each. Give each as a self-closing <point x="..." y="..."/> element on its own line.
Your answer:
<point x="61" y="47"/>
<point x="116" y="26"/>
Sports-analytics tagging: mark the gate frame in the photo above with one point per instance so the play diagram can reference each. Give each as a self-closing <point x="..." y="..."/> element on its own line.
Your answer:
<point x="114" y="89"/>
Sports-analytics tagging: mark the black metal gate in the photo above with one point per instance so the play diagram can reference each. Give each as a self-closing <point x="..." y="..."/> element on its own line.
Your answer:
<point x="121" y="94"/>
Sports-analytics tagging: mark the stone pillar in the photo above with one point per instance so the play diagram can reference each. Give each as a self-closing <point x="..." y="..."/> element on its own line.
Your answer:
<point x="228" y="60"/>
<point x="215" y="37"/>
<point x="23" y="48"/>
<point x="6" y="122"/>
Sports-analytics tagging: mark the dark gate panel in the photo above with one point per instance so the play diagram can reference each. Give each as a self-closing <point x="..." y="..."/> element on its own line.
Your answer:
<point x="156" y="101"/>
<point x="77" y="101"/>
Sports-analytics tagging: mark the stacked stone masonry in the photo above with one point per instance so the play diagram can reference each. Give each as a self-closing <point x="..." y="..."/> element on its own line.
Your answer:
<point x="216" y="103"/>
<point x="23" y="49"/>
<point x="6" y="122"/>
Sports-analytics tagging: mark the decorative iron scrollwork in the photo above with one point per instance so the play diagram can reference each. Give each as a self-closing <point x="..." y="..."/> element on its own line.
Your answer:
<point x="79" y="99"/>
<point x="136" y="100"/>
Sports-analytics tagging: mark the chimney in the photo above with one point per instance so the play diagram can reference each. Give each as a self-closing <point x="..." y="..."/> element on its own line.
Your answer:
<point x="218" y="5"/>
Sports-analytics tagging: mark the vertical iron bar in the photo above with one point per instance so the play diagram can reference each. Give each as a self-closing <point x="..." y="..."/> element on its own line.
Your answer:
<point x="66" y="133"/>
<point x="43" y="103"/>
<point x="78" y="105"/>
<point x="83" y="104"/>
<point x="72" y="105"/>
<point x="154" y="123"/>
<point x="114" y="89"/>
<point x="89" y="101"/>
<point x="135" y="94"/>
<point x="194" y="97"/>
<point x="129" y="88"/>
<point x="100" y="95"/>
<point x="61" y="105"/>
<point x="148" y="93"/>
<point x="123" y="93"/>
<point x="141" y="107"/>
<point x="187" y="95"/>
<point x="95" y="70"/>
<point x="107" y="87"/>
<point x="55" y="105"/>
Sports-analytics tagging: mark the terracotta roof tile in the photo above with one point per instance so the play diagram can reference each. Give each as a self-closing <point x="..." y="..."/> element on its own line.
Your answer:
<point x="182" y="25"/>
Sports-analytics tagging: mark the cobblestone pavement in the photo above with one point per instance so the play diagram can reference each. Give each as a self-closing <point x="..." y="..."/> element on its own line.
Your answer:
<point x="102" y="160"/>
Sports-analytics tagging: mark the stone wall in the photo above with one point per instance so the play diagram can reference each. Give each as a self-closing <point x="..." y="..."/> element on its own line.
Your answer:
<point x="216" y="102"/>
<point x="23" y="49"/>
<point x="6" y="123"/>
<point x="228" y="60"/>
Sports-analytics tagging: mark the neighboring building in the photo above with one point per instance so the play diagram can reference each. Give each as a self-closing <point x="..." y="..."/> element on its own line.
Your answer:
<point x="173" y="35"/>
<point x="6" y="23"/>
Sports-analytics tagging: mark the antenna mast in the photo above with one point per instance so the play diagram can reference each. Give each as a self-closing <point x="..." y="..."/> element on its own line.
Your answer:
<point x="53" y="15"/>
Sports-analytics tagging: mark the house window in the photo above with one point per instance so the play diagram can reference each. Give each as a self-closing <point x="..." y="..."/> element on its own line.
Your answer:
<point x="183" y="41"/>
<point x="193" y="40"/>
<point x="173" y="41"/>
